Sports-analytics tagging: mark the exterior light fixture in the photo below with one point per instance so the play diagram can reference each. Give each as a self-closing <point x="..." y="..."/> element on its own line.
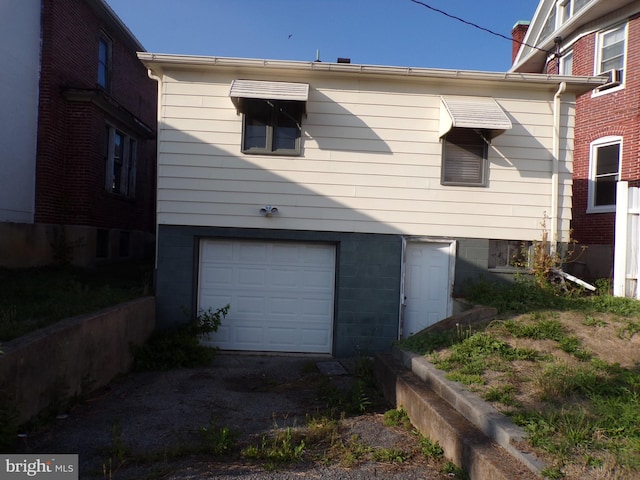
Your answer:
<point x="268" y="211"/>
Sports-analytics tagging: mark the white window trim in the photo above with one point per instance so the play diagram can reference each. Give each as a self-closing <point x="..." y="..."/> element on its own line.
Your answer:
<point x="129" y="163"/>
<point x="598" y="57"/>
<point x="562" y="67"/>
<point x="601" y="142"/>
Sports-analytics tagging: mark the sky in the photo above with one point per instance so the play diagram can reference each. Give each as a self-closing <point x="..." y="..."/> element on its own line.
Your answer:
<point x="371" y="32"/>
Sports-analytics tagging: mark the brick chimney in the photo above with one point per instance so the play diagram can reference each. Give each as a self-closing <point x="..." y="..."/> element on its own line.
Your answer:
<point x="517" y="33"/>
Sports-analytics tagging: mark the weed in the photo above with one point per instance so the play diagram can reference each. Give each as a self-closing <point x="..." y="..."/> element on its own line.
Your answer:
<point x="321" y="429"/>
<point x="353" y="452"/>
<point x="390" y="455"/>
<point x="550" y="329"/>
<point x="282" y="448"/>
<point x="571" y="344"/>
<point x="355" y="400"/>
<point x="453" y="471"/>
<point x="629" y="330"/>
<point x="181" y="347"/>
<point x="397" y="418"/>
<point x="503" y="394"/>
<point x="216" y="440"/>
<point x="591" y="321"/>
<point x="552" y="473"/>
<point x="429" y="448"/>
<point x="428" y="343"/>
<point x="117" y="451"/>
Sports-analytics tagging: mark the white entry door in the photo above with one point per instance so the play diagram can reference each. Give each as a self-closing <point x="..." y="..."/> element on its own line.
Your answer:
<point x="427" y="285"/>
<point x="281" y="294"/>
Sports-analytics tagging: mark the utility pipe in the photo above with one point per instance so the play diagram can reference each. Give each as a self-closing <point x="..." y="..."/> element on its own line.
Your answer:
<point x="555" y="168"/>
<point x="158" y="79"/>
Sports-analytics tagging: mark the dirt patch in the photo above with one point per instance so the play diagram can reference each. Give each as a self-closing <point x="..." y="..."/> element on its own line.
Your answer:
<point x="145" y="425"/>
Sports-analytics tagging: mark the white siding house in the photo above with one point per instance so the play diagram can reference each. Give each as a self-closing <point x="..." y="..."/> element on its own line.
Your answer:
<point x="392" y="186"/>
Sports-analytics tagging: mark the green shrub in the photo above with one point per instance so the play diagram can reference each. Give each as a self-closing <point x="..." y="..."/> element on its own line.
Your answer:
<point x="181" y="347"/>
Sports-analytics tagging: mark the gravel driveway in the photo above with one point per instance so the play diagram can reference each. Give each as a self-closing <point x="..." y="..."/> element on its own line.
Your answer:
<point x="145" y="424"/>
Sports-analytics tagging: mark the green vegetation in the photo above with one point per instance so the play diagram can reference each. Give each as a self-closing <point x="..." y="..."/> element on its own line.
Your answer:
<point x="36" y="297"/>
<point x="180" y="347"/>
<point x="397" y="418"/>
<point x="581" y="413"/>
<point x="284" y="447"/>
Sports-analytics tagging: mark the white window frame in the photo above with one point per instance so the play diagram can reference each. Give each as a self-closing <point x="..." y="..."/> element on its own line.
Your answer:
<point x="597" y="70"/>
<point x="593" y="157"/>
<point x="126" y="187"/>
<point x="565" y="66"/>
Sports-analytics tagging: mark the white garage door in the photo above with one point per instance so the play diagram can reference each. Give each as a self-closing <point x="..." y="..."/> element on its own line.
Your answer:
<point x="281" y="294"/>
<point x="427" y="285"/>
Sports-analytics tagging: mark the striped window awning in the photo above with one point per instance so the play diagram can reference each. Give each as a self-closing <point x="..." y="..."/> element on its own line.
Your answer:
<point x="268" y="91"/>
<point x="481" y="113"/>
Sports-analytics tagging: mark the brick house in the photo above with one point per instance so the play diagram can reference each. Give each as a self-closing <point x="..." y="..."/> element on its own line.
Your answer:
<point x="596" y="37"/>
<point x="78" y="176"/>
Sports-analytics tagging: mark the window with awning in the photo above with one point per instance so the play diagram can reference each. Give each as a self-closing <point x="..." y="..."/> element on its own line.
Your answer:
<point x="467" y="125"/>
<point x="272" y="115"/>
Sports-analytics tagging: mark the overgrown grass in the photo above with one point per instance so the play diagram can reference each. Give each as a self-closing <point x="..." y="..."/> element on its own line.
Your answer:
<point x="525" y="296"/>
<point x="587" y="412"/>
<point x="37" y="297"/>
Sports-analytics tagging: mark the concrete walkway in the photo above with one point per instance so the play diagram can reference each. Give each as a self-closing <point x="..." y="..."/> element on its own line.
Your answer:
<point x="472" y="434"/>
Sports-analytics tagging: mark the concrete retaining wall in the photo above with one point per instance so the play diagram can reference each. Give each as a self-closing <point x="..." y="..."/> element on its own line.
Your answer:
<point x="73" y="355"/>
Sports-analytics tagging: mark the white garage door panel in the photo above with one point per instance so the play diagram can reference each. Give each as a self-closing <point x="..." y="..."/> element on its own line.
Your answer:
<point x="281" y="294"/>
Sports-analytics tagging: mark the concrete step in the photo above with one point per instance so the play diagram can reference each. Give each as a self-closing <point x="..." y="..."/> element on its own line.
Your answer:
<point x="464" y="443"/>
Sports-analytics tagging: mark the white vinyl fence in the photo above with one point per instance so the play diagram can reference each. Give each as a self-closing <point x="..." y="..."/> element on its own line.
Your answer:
<point x="626" y="270"/>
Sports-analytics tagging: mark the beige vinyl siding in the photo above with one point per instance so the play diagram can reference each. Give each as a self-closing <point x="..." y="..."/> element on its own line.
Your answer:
<point x="370" y="162"/>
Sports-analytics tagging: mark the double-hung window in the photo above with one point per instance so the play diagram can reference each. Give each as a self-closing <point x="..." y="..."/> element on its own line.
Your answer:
<point x="464" y="157"/>
<point x="120" y="162"/>
<point x="610" y="55"/>
<point x="104" y="62"/>
<point x="566" y="63"/>
<point x="271" y="126"/>
<point x="604" y="173"/>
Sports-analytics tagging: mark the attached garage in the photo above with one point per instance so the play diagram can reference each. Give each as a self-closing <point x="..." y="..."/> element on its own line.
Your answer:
<point x="281" y="294"/>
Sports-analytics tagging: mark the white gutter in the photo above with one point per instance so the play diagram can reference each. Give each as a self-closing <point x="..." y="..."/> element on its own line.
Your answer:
<point x="158" y="79"/>
<point x="579" y="83"/>
<point x="555" y="164"/>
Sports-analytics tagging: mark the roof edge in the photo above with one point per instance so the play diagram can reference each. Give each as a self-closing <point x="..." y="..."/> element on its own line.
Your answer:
<point x="159" y="61"/>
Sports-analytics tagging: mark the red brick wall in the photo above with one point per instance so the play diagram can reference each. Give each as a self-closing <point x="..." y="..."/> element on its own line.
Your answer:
<point x="70" y="175"/>
<point x="614" y="113"/>
<point x="518" y="33"/>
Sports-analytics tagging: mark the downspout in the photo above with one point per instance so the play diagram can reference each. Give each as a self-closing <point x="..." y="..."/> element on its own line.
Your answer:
<point x="158" y="79"/>
<point x="555" y="168"/>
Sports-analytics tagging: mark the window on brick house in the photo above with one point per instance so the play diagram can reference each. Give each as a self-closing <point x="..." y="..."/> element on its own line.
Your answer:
<point x="566" y="63"/>
<point x="604" y="173"/>
<point x="121" y="153"/>
<point x="610" y="56"/>
<point x="104" y="62"/>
